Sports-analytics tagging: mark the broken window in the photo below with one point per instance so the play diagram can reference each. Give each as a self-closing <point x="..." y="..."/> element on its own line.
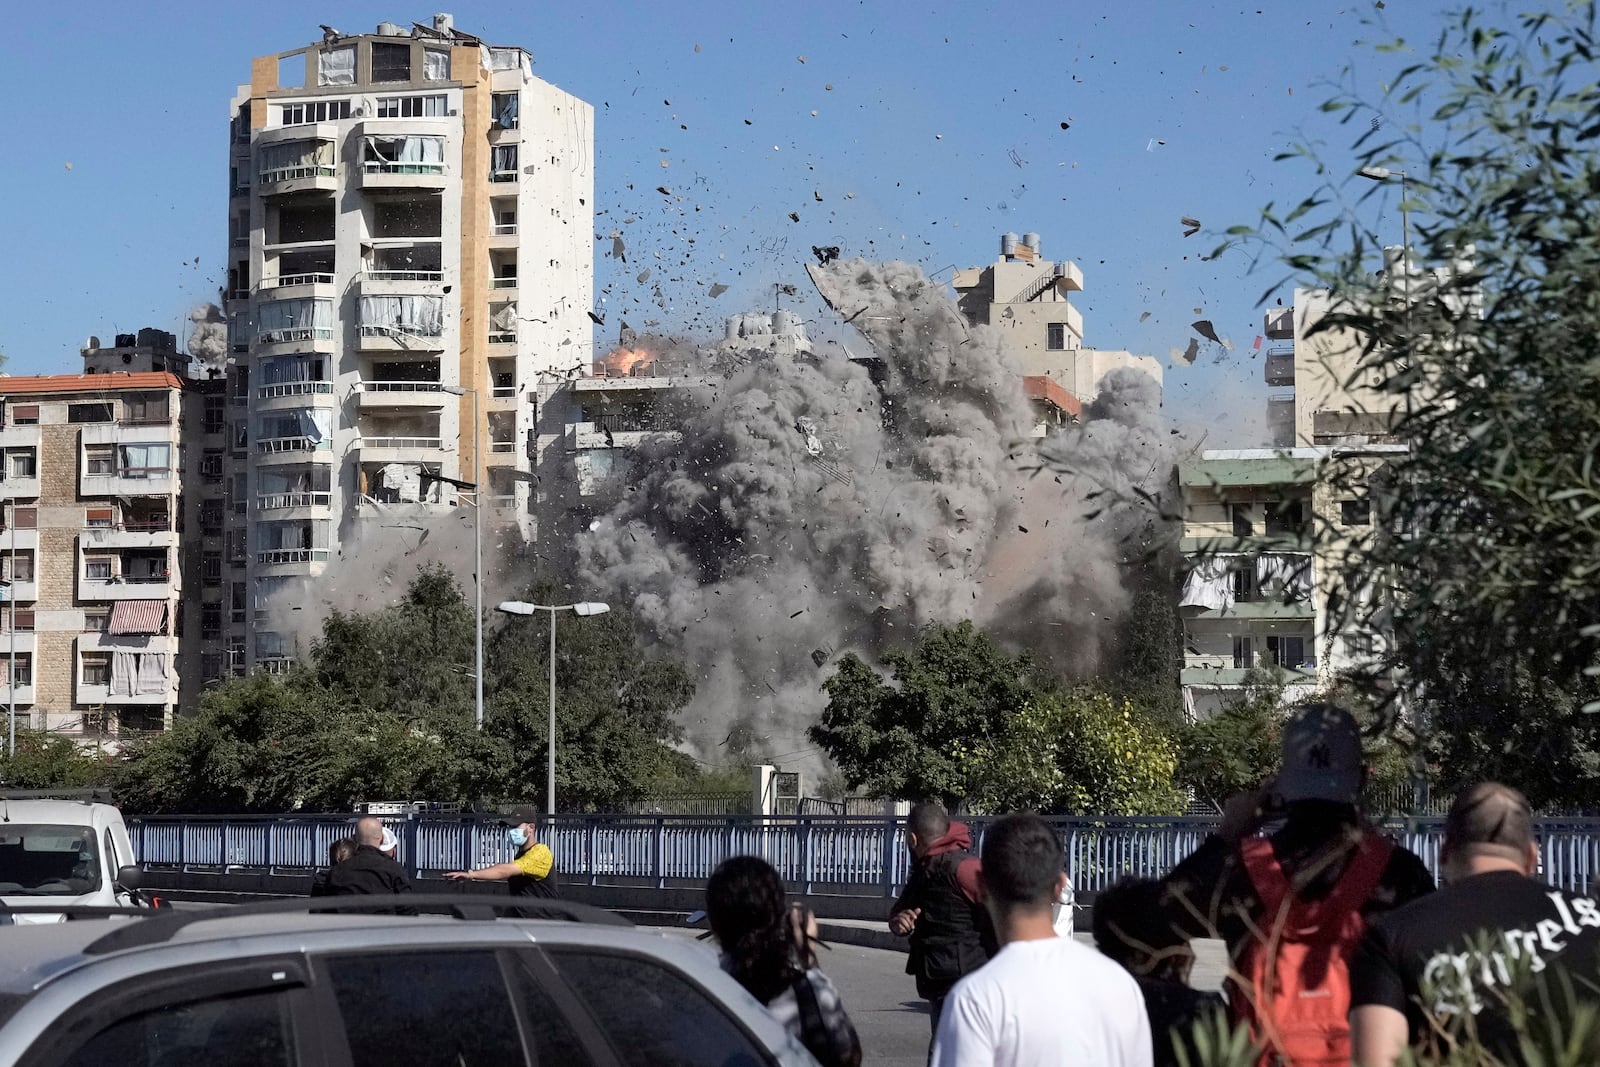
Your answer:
<point x="287" y="160"/>
<point x="403" y="155"/>
<point x="505" y="107"/>
<point x="435" y="65"/>
<point x="503" y="163"/>
<point x="391" y="62"/>
<point x="1355" y="512"/>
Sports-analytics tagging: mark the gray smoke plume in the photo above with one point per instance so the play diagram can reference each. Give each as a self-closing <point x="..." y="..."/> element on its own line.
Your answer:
<point x="208" y="335"/>
<point x="808" y="510"/>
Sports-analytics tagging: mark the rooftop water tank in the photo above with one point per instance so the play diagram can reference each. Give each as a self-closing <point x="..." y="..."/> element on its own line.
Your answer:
<point x="1008" y="244"/>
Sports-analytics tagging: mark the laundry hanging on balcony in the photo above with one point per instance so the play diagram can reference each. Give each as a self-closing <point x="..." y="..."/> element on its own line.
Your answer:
<point x="1287" y="578"/>
<point x="137" y="617"/>
<point x="152" y="680"/>
<point x="1209" y="584"/>
<point x="124" y="668"/>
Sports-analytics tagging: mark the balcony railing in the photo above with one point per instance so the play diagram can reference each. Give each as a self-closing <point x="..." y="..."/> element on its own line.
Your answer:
<point x="297" y="333"/>
<point x="282" y="389"/>
<point x="502" y="446"/>
<point x="503" y="337"/>
<point x="503" y="501"/>
<point x="316" y="278"/>
<point x="402" y="442"/>
<point x="504" y="392"/>
<point x="142" y="472"/>
<point x="279" y="501"/>
<point x="402" y="387"/>
<point x="381" y="166"/>
<point x="289" y="174"/>
<point x="505" y="229"/>
<point x="271" y="557"/>
<point x="397" y="331"/>
<point x="502" y="175"/>
<point x="503" y="283"/>
<point x="406" y="275"/>
<point x="289" y="444"/>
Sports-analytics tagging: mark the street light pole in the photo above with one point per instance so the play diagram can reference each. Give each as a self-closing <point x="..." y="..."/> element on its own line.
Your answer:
<point x="519" y="607"/>
<point x="11" y="625"/>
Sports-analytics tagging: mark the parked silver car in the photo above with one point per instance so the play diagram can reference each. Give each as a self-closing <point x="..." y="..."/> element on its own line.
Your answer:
<point x="270" y="987"/>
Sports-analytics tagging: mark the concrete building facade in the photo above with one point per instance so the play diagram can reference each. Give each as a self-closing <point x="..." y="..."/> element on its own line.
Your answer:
<point x="410" y="235"/>
<point x="1028" y="300"/>
<point x="90" y="487"/>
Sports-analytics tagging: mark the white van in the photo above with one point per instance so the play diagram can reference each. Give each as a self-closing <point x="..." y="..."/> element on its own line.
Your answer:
<point x="55" y="850"/>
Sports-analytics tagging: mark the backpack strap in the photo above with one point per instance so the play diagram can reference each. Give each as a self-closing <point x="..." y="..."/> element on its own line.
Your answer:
<point x="1361" y="876"/>
<point x="1356" y="884"/>
<point x="1265" y="872"/>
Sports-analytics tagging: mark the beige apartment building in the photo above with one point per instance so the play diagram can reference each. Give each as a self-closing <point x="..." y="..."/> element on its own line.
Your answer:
<point x="90" y="489"/>
<point x="410" y="257"/>
<point x="1027" y="298"/>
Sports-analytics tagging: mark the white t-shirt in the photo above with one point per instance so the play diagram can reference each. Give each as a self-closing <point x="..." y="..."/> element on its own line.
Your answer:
<point x="1042" y="1004"/>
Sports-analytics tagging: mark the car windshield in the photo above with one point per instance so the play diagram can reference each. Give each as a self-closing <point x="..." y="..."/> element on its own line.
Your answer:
<point x="47" y="860"/>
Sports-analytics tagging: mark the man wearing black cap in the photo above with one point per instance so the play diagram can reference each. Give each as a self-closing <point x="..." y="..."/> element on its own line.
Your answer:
<point x="532" y="873"/>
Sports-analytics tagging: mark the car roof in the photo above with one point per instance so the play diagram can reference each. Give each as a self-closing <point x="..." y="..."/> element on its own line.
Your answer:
<point x="32" y="956"/>
<point x="64" y="812"/>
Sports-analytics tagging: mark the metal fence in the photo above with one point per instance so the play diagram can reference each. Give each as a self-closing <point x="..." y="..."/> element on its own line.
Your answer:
<point x="857" y="856"/>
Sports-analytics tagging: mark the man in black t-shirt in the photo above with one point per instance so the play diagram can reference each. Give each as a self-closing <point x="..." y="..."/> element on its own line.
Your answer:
<point x="1458" y="962"/>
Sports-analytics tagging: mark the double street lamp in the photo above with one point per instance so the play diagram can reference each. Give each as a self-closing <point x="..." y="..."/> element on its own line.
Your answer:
<point x="519" y="607"/>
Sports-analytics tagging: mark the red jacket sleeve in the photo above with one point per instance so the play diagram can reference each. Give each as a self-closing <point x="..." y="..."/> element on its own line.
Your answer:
<point x="967" y="872"/>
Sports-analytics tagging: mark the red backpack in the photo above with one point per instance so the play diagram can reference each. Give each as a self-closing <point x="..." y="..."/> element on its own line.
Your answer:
<point x="1293" y="983"/>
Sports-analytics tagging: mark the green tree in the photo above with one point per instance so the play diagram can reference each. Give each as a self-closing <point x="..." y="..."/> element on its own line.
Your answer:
<point x="1238" y="748"/>
<point x="1487" y="559"/>
<point x="950" y="693"/>
<point x="1079" y="752"/>
<point x="616" y="707"/>
<point x="46" y="761"/>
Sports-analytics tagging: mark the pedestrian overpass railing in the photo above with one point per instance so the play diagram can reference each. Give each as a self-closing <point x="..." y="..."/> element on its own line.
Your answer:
<point x="827" y="854"/>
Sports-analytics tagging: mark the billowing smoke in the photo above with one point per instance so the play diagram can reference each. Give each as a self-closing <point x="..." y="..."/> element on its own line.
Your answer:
<point x="208" y="335"/>
<point x="809" y="509"/>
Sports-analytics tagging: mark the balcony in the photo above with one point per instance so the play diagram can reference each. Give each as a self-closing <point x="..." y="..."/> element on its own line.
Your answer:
<point x="129" y="482"/>
<point x="580" y="436"/>
<point x="296" y="448"/>
<point x="1280" y="367"/>
<point x="15" y="488"/>
<point x="403" y="394"/>
<point x="121" y="587"/>
<point x="280" y="557"/>
<point x="400" y="449"/>
<point x="298" y="286"/>
<point x="301" y="390"/>
<point x="1235" y="676"/>
<point x="24" y="592"/>
<point x="504" y="286"/>
<point x="152" y="533"/>
<point x="293" y="160"/>
<point x="25" y="642"/>
<point x="22" y="694"/>
<point x="21" y="540"/>
<point x="400" y="154"/>
<point x="1266" y="609"/>
<point x="24" y="436"/>
<point x="291" y="501"/>
<point x="503" y="235"/>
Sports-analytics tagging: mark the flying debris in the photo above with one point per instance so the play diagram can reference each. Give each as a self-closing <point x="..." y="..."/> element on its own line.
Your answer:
<point x="1191" y="226"/>
<point x="1204" y="328"/>
<point x="825" y="255"/>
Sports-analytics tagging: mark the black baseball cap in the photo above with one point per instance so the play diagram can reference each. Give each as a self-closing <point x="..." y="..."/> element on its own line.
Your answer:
<point x="519" y="814"/>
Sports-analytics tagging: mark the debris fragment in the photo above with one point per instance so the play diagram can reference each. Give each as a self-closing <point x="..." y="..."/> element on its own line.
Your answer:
<point x="1191" y="226"/>
<point x="716" y="290"/>
<point x="1204" y="328"/>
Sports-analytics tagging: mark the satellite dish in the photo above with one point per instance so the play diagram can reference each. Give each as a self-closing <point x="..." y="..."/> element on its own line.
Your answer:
<point x="94" y="343"/>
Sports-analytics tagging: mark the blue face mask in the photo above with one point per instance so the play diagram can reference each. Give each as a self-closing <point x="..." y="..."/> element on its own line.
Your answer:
<point x="517" y="836"/>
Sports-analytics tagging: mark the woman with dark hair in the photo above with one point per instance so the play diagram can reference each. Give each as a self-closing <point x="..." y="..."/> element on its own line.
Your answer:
<point x="766" y="946"/>
<point x="338" y="852"/>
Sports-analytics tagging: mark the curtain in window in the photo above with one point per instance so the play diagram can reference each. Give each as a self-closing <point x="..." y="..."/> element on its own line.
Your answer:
<point x="419" y="315"/>
<point x="505" y="59"/>
<point x="504" y="318"/>
<point x="289" y="154"/>
<point x="504" y="157"/>
<point x="336" y="66"/>
<point x="279" y="315"/>
<point x="124" y="668"/>
<point x="414" y="149"/>
<point x="435" y="65"/>
<point x="288" y="370"/>
<point x="152" y="679"/>
<point x="1209" y="584"/>
<point x="1286" y="576"/>
<point x="506" y="106"/>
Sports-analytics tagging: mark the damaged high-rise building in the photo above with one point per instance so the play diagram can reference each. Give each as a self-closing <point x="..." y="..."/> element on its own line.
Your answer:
<point x="410" y="223"/>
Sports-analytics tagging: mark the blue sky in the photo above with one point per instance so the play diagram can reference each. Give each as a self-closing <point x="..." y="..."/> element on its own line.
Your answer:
<point x="926" y="131"/>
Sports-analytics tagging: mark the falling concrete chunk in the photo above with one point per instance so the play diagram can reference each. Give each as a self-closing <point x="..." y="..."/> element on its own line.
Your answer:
<point x="716" y="290"/>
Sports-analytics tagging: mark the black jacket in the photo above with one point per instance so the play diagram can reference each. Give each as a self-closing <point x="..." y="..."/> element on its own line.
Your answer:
<point x="953" y="936"/>
<point x="369" y="873"/>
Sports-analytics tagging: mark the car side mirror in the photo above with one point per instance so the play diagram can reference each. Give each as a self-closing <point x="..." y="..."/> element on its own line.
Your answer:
<point x="129" y="877"/>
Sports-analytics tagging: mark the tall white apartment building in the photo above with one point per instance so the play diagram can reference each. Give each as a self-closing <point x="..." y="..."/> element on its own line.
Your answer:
<point x="411" y="240"/>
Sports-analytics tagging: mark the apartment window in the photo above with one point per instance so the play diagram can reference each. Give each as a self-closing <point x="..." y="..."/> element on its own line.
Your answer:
<point x="211" y="520"/>
<point x="1359" y="645"/>
<point x="211" y="465"/>
<point x="144" y="461"/>
<point x="100" y="459"/>
<point x="412" y="107"/>
<point x="239" y="383"/>
<point x="241" y="436"/>
<point x="96" y="668"/>
<point x="236" y="602"/>
<point x="99" y="518"/>
<point x="211" y="666"/>
<point x="1287" y="517"/>
<point x="17" y="566"/>
<point x="215" y="415"/>
<point x="26" y="518"/>
<point x="22" y="671"/>
<point x="1355" y="512"/>
<point x="503" y="163"/>
<point x="1287" y="651"/>
<point x="1243" y="524"/>
<point x="99" y="568"/>
<point x="211" y="568"/>
<point x="144" y="407"/>
<point x="236" y="655"/>
<point x="391" y="62"/>
<point x="241" y="493"/>
<point x="505" y="107"/>
<point x="1244" y="653"/>
<point x="22" y="463"/>
<point x="25" y="415"/>
<point x="314" y="111"/>
<point x="24" y="622"/>
<point x="96" y="620"/>
<point x="210" y="620"/>
<point x="435" y="65"/>
<point x="100" y="412"/>
<point x="1055" y="336"/>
